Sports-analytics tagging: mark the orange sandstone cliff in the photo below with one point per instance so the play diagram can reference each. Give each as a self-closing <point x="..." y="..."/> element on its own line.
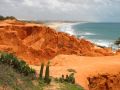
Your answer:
<point x="35" y="43"/>
<point x="104" y="82"/>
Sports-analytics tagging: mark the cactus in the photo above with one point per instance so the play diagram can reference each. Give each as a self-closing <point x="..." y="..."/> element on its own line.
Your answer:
<point x="47" y="79"/>
<point x="41" y="71"/>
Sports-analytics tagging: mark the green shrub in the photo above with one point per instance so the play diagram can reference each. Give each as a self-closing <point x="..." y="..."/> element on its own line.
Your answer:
<point x="62" y="79"/>
<point x="19" y="65"/>
<point x="69" y="78"/>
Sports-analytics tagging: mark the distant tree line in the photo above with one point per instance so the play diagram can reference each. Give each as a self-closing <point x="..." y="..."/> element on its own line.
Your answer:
<point x="7" y="17"/>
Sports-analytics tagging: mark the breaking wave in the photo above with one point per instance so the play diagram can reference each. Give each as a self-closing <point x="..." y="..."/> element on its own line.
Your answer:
<point x="69" y="28"/>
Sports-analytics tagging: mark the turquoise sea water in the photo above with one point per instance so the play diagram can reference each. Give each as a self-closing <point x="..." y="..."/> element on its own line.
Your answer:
<point x="103" y="34"/>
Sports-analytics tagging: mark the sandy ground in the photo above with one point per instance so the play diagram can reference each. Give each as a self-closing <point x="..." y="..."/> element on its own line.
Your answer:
<point x="55" y="25"/>
<point x="84" y="66"/>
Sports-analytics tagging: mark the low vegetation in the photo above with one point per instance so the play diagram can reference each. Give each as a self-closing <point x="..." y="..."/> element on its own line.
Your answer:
<point x="15" y="74"/>
<point x="68" y="82"/>
<point x="69" y="86"/>
<point x="12" y="80"/>
<point x="68" y="79"/>
<point x="19" y="65"/>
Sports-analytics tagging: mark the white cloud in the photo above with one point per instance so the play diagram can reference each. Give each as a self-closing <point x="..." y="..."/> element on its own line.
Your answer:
<point x="28" y="2"/>
<point x="94" y="10"/>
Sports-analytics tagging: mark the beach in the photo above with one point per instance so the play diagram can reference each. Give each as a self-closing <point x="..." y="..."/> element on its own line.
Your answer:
<point x="59" y="44"/>
<point x="102" y="34"/>
<point x="55" y="25"/>
<point x="42" y="43"/>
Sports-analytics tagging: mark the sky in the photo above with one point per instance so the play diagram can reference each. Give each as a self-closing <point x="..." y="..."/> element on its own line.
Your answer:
<point x="80" y="10"/>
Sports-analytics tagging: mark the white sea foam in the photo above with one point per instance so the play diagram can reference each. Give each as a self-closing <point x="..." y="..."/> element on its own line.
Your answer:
<point x="86" y="33"/>
<point x="67" y="27"/>
<point x="81" y="37"/>
<point x="105" y="43"/>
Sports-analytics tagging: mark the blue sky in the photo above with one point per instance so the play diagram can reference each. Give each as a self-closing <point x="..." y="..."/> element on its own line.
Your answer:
<point x="83" y="10"/>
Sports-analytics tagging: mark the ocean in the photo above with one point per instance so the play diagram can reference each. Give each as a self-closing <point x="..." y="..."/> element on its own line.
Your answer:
<point x="103" y="34"/>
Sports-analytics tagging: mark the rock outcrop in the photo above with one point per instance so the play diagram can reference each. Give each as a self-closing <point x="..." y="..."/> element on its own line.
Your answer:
<point x="36" y="43"/>
<point x="104" y="82"/>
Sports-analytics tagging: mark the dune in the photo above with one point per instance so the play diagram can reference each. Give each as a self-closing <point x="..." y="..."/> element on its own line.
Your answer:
<point x="85" y="67"/>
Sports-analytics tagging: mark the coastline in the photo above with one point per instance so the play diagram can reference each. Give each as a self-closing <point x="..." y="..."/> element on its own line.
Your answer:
<point x="40" y="43"/>
<point x="67" y="28"/>
<point x="55" y="25"/>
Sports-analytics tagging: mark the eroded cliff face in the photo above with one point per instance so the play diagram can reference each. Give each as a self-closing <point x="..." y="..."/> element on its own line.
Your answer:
<point x="104" y="82"/>
<point x="36" y="43"/>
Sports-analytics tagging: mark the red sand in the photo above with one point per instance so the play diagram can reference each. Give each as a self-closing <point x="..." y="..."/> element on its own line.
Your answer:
<point x="36" y="43"/>
<point x="85" y="66"/>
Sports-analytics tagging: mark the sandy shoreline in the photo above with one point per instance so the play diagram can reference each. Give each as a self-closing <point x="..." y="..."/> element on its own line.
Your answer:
<point x="55" y="25"/>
